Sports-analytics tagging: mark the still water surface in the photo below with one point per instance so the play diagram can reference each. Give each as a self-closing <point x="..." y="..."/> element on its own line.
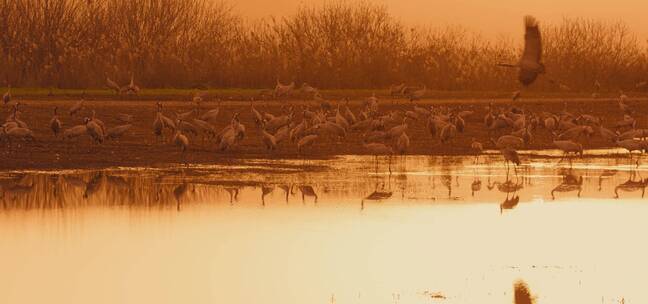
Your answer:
<point x="347" y="230"/>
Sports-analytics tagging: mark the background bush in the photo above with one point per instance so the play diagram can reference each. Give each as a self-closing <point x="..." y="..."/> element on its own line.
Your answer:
<point x="202" y="43"/>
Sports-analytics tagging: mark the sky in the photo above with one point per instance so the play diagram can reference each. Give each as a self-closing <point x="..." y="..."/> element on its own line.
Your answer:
<point x="489" y="17"/>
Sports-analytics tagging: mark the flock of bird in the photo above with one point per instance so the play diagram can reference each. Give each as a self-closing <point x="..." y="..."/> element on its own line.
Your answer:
<point x="382" y="132"/>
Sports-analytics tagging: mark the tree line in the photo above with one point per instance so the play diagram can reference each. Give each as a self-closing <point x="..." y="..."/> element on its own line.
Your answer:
<point x="202" y="43"/>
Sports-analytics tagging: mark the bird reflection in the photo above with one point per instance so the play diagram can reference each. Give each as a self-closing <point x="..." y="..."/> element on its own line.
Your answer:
<point x="307" y="191"/>
<point x="93" y="185"/>
<point x="632" y="184"/>
<point x="14" y="190"/>
<point x="521" y="293"/>
<point x="570" y="182"/>
<point x="179" y="192"/>
<point x="507" y="187"/>
<point x="605" y="174"/>
<point x="377" y="195"/>
<point x="233" y="193"/>
<point x="117" y="181"/>
<point x="74" y="181"/>
<point x="475" y="186"/>
<point x="265" y="191"/>
<point x="509" y="203"/>
<point x="287" y="190"/>
<point x="446" y="180"/>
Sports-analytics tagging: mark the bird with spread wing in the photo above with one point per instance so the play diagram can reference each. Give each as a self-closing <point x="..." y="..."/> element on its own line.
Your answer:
<point x="530" y="64"/>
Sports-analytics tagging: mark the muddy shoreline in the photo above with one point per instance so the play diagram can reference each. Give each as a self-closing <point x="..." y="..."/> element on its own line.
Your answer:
<point x="140" y="149"/>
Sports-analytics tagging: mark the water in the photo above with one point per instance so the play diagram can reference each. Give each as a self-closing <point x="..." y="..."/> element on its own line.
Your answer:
<point x="446" y="231"/>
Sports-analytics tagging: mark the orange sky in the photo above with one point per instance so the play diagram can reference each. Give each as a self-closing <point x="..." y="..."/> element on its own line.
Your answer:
<point x="489" y="17"/>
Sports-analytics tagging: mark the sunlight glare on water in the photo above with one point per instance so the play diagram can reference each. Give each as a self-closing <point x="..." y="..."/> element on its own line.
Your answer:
<point x="449" y="232"/>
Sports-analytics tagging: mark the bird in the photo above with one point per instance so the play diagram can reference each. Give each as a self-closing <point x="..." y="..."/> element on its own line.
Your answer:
<point x="55" y="123"/>
<point x="199" y="96"/>
<point x="568" y="146"/>
<point x="158" y="125"/>
<point x="94" y="130"/>
<point x="98" y="121"/>
<point x="269" y="140"/>
<point x="118" y="131"/>
<point x="283" y="90"/>
<point x="448" y="132"/>
<point x="396" y="89"/>
<point x="530" y="64"/>
<point x="477" y="148"/>
<point x="350" y="117"/>
<point x="113" y="85"/>
<point x="403" y="143"/>
<point x="521" y="293"/>
<point x="510" y="155"/>
<point x="131" y="88"/>
<point x="75" y="131"/>
<point x="633" y="145"/>
<point x="19" y="133"/>
<point x="180" y="140"/>
<point x="306" y="141"/>
<point x="211" y="115"/>
<point x="125" y="118"/>
<point x="418" y="94"/>
<point x="185" y="115"/>
<point x="508" y="141"/>
<point x="6" y="98"/>
<point x="308" y="89"/>
<point x="77" y="107"/>
<point x="205" y="128"/>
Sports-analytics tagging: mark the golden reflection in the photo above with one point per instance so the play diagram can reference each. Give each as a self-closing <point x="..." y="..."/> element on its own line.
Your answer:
<point x="461" y="180"/>
<point x="87" y="236"/>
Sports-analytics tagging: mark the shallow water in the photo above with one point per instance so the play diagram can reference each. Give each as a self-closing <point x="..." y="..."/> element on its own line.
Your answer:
<point x="445" y="230"/>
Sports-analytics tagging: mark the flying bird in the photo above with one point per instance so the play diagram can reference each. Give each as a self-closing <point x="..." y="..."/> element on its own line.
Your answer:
<point x="530" y="64"/>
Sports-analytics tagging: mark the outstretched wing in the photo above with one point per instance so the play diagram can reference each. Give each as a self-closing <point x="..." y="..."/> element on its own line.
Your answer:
<point x="532" y="43"/>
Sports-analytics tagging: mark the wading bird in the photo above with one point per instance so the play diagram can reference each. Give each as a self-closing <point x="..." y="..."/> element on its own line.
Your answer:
<point x="113" y="85"/>
<point x="55" y="123"/>
<point x="6" y="98"/>
<point x="77" y="107"/>
<point x="510" y="155"/>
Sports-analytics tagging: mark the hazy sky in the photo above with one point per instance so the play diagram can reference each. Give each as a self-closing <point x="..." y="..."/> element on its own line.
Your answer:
<point x="491" y="17"/>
